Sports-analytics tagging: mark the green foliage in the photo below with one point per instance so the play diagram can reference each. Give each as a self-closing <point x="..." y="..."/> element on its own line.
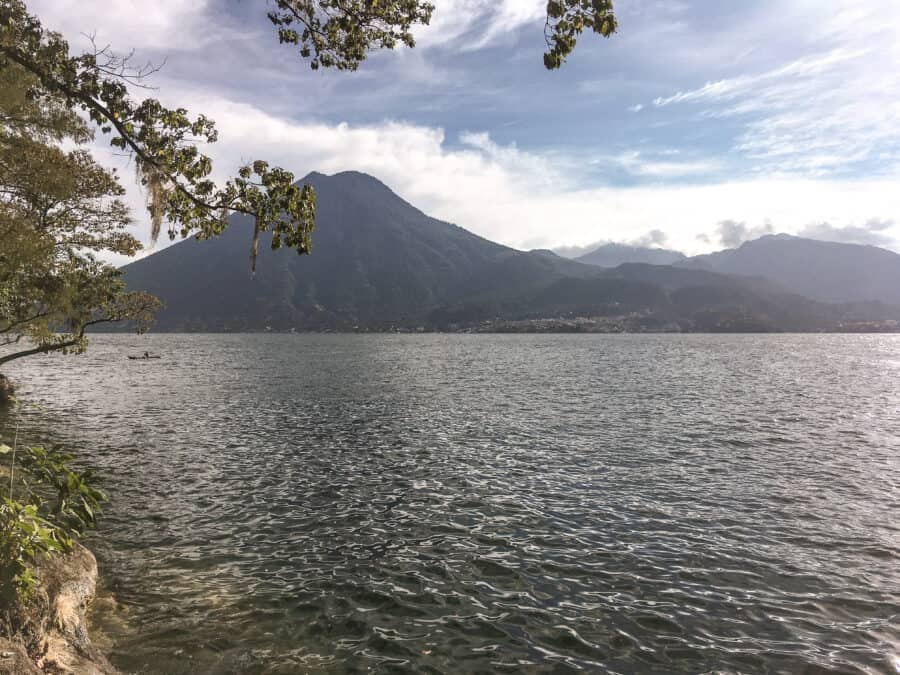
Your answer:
<point x="66" y="496"/>
<point x="163" y="142"/>
<point x="57" y="210"/>
<point x="568" y="19"/>
<point x="340" y="33"/>
<point x="47" y="504"/>
<point x="25" y="537"/>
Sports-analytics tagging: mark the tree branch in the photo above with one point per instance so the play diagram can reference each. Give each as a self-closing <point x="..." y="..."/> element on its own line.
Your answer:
<point x="40" y="349"/>
<point x="102" y="110"/>
<point x="12" y="326"/>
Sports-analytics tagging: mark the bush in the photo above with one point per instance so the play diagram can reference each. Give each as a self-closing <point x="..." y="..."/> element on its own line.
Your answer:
<point x="47" y="504"/>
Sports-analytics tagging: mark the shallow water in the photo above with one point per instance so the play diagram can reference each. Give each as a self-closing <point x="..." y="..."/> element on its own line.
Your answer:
<point x="462" y="504"/>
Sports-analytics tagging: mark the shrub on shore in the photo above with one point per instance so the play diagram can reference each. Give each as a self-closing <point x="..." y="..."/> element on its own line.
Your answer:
<point x="46" y="506"/>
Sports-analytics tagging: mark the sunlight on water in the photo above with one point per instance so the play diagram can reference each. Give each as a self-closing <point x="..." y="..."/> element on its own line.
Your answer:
<point x="622" y="504"/>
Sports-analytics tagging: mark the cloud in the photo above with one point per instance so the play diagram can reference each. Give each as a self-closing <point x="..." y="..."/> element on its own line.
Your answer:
<point x="732" y="233"/>
<point x="831" y="110"/>
<point x="640" y="164"/>
<point x="522" y="198"/>
<point x="475" y="24"/>
<point x="636" y="108"/>
<point x="137" y="24"/>
<point x="651" y="239"/>
<point x="432" y="122"/>
<point x="874" y="232"/>
<point x="738" y="87"/>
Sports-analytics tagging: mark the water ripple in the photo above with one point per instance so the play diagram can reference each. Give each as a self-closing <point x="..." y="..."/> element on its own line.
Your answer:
<point x="461" y="504"/>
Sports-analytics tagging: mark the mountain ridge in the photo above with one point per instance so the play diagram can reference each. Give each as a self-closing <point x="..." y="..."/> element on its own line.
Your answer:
<point x="376" y="260"/>
<point x="821" y="270"/>
<point x="614" y="254"/>
<point x="379" y="263"/>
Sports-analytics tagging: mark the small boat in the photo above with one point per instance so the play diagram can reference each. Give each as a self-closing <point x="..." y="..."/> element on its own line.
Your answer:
<point x="143" y="358"/>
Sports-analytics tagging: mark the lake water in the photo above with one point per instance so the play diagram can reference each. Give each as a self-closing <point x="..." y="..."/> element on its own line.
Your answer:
<point x="466" y="504"/>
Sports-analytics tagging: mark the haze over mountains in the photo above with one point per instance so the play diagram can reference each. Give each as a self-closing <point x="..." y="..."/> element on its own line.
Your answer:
<point x="378" y="263"/>
<point x="821" y="270"/>
<point x="613" y="255"/>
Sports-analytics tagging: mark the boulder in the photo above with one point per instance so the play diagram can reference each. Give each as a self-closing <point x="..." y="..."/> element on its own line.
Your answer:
<point x="71" y="583"/>
<point x="51" y="633"/>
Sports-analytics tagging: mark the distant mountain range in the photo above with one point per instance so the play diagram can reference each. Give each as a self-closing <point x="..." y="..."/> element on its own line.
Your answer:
<point x="821" y="270"/>
<point x="378" y="263"/>
<point x="613" y="255"/>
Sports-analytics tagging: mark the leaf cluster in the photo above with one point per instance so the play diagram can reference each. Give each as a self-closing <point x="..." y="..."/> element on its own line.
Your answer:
<point x="25" y="537"/>
<point x="65" y="497"/>
<point x="340" y="33"/>
<point x="42" y="513"/>
<point x="163" y="142"/>
<point x="568" y="19"/>
<point x="58" y="209"/>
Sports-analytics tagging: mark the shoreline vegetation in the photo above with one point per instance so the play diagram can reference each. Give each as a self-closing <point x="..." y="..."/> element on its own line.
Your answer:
<point x="48" y="577"/>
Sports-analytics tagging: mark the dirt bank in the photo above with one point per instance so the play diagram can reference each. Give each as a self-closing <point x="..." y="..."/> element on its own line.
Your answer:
<point x="51" y="633"/>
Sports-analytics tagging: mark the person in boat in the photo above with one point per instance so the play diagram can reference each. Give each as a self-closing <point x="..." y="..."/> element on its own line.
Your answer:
<point x="146" y="355"/>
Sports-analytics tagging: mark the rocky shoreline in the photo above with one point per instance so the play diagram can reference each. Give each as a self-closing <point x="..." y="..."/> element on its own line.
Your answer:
<point x="47" y="632"/>
<point x="52" y="634"/>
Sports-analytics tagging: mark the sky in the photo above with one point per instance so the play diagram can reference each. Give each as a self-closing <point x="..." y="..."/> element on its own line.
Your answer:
<point x="701" y="124"/>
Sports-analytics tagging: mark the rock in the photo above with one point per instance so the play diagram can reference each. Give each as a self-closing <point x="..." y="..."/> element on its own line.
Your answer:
<point x="71" y="583"/>
<point x="51" y="633"/>
<point x="7" y="389"/>
<point x="14" y="660"/>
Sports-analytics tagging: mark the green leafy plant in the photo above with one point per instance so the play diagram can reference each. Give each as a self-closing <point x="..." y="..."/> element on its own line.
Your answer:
<point x="25" y="536"/>
<point x="568" y="19"/>
<point x="47" y="505"/>
<point x="66" y="496"/>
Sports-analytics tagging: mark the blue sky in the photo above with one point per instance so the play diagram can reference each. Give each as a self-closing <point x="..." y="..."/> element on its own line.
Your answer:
<point x="702" y="123"/>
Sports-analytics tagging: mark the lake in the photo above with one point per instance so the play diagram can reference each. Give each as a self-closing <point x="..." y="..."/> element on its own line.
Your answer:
<point x="474" y="504"/>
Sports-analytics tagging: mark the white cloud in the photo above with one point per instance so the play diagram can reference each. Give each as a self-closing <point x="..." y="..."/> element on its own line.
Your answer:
<point x="827" y="111"/>
<point x="874" y="232"/>
<point x="126" y="24"/>
<point x="531" y="200"/>
<point x="733" y="233"/>
<point x="831" y="101"/>
<point x="639" y="164"/>
<point x="477" y="23"/>
<point x="651" y="239"/>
